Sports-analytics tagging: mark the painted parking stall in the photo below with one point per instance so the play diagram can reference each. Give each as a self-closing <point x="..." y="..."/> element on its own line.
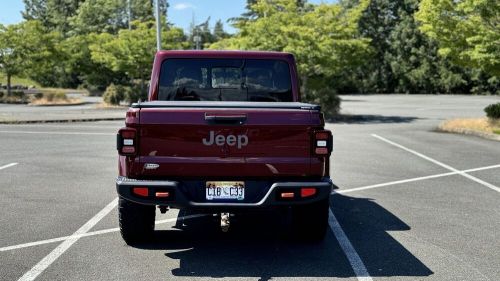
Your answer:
<point x="413" y="219"/>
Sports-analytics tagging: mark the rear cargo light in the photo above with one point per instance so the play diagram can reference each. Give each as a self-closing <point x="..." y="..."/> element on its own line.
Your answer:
<point x="141" y="191"/>
<point x="307" y="192"/>
<point x="322" y="142"/>
<point x="287" y="195"/>
<point x="126" y="141"/>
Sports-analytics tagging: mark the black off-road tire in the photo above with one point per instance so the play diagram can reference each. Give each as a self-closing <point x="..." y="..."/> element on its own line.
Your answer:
<point x="310" y="221"/>
<point x="137" y="221"/>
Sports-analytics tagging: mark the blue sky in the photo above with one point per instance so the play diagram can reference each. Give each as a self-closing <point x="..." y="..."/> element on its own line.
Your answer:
<point x="180" y="12"/>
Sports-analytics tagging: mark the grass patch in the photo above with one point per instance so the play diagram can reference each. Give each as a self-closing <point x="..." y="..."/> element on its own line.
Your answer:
<point x="15" y="80"/>
<point x="46" y="96"/>
<point x="53" y="97"/>
<point x="17" y="97"/>
<point x="467" y="125"/>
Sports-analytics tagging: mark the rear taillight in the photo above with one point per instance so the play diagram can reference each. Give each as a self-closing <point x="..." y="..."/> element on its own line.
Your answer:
<point x="141" y="191"/>
<point x="322" y="142"/>
<point x="126" y="141"/>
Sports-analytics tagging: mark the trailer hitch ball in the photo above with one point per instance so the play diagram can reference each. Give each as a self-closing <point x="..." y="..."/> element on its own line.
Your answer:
<point x="224" y="222"/>
<point x="163" y="209"/>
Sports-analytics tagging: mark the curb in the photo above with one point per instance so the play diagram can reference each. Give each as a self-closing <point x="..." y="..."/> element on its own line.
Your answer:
<point x="55" y="104"/>
<point x="470" y="132"/>
<point x="61" y="120"/>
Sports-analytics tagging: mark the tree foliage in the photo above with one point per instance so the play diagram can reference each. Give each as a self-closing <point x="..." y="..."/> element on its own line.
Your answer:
<point x="52" y="14"/>
<point x="28" y="45"/>
<point x="468" y="31"/>
<point x="324" y="40"/>
<point x="132" y="51"/>
<point x="406" y="60"/>
<point x="362" y="46"/>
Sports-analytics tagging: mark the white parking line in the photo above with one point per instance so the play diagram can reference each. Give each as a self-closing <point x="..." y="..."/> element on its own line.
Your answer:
<point x="357" y="264"/>
<point x="489" y="185"/>
<point x="63" y="126"/>
<point x="92" y="233"/>
<point x="342" y="191"/>
<point x="56" y="133"/>
<point x="64" y="246"/>
<point x="8" y="166"/>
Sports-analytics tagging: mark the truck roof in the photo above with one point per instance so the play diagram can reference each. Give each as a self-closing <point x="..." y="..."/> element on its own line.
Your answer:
<point x="224" y="54"/>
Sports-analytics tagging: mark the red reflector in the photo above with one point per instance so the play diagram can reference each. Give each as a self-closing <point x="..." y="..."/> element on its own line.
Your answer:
<point x="322" y="136"/>
<point x="307" y="191"/>
<point x="141" y="191"/>
<point x="162" y="194"/>
<point x="128" y="149"/>
<point x="287" y="195"/>
<point x="321" y="150"/>
<point x="128" y="134"/>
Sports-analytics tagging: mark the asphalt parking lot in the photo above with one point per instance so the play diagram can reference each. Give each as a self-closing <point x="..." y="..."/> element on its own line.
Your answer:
<point x="412" y="204"/>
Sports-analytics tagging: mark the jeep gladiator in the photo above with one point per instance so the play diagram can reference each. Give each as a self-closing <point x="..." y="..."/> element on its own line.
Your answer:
<point x="223" y="132"/>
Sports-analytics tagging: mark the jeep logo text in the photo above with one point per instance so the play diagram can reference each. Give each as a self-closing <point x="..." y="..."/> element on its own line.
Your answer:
<point x="231" y="140"/>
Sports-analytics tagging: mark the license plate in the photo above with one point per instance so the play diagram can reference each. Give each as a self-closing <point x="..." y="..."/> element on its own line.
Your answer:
<point x="225" y="190"/>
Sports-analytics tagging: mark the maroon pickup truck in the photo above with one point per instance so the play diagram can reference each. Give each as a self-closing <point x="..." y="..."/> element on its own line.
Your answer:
<point x="223" y="132"/>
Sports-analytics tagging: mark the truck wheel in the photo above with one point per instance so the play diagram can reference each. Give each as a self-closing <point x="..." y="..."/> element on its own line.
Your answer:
<point x="137" y="221"/>
<point x="310" y="221"/>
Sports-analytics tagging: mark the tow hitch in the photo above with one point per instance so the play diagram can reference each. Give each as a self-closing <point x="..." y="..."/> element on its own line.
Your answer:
<point x="224" y="222"/>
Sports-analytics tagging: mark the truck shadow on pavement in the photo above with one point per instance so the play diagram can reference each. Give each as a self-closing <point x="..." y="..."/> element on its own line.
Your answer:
<point x="260" y="245"/>
<point x="370" y="119"/>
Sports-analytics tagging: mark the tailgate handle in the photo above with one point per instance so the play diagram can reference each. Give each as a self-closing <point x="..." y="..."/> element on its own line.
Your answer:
<point x="234" y="119"/>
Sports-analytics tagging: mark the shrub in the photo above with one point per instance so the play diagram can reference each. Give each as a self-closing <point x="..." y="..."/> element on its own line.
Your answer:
<point x="16" y="97"/>
<point x="328" y="99"/>
<point x="38" y="96"/>
<point x="135" y="93"/>
<point x="55" y="95"/>
<point x="493" y="111"/>
<point x="113" y="94"/>
<point x="18" y="94"/>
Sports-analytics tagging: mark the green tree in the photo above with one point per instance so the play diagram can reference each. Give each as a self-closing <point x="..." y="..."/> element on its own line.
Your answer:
<point x="324" y="40"/>
<point x="11" y="53"/>
<point x="414" y="63"/>
<point x="52" y="14"/>
<point x="377" y="22"/>
<point x="26" y="48"/>
<point x="85" y="72"/>
<point x="467" y="31"/>
<point x="132" y="51"/>
<point x="96" y="16"/>
<point x="219" y="32"/>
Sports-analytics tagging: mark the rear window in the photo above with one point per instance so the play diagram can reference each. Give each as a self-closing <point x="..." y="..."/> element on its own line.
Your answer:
<point x="225" y="80"/>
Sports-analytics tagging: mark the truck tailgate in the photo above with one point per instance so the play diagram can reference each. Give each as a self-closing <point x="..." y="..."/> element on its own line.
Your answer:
<point x="215" y="142"/>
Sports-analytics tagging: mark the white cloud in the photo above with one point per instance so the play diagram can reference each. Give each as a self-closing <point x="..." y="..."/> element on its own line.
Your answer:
<point x="184" y="6"/>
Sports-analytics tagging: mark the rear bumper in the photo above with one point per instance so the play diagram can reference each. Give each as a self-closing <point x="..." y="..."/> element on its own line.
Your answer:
<point x="179" y="199"/>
